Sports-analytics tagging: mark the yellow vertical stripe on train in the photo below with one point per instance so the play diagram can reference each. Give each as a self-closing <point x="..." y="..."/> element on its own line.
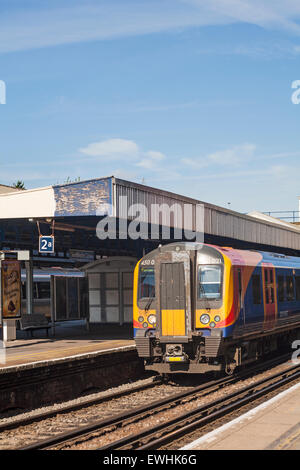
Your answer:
<point x="173" y="322"/>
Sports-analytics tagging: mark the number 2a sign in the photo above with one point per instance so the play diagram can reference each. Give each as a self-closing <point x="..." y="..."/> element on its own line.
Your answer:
<point x="46" y="244"/>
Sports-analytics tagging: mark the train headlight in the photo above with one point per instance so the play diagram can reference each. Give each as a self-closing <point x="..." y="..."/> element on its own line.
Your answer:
<point x="217" y="318"/>
<point x="145" y="325"/>
<point x="152" y="319"/>
<point x="205" y="319"/>
<point x="212" y="324"/>
<point x="141" y="319"/>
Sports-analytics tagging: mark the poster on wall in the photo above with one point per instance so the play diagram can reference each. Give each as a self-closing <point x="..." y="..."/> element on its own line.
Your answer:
<point x="10" y="289"/>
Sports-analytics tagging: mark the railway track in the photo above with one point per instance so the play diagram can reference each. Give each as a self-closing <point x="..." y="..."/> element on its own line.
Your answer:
<point x="24" y="421"/>
<point x="183" y="425"/>
<point x="133" y="414"/>
<point x="41" y="384"/>
<point x="163" y="432"/>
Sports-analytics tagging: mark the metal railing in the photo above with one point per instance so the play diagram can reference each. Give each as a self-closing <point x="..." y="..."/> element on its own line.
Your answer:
<point x="287" y="216"/>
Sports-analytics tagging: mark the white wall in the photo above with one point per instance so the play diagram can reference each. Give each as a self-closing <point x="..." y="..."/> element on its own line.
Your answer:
<point x="26" y="204"/>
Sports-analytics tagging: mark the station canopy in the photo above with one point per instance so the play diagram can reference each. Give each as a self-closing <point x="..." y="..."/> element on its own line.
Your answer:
<point x="74" y="209"/>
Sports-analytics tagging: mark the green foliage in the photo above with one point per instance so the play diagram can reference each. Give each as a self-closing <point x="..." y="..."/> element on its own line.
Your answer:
<point x="75" y="180"/>
<point x="19" y="185"/>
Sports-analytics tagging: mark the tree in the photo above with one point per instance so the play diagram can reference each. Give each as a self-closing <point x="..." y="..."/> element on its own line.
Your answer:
<point x="19" y="185"/>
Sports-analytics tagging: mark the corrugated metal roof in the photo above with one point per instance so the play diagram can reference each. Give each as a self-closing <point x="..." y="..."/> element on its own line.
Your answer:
<point x="115" y="196"/>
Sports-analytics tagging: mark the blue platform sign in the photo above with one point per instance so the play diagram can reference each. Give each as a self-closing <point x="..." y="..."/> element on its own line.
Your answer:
<point x="46" y="244"/>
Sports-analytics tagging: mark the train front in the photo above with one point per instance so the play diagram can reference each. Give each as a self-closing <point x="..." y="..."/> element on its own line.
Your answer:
<point x="180" y="304"/>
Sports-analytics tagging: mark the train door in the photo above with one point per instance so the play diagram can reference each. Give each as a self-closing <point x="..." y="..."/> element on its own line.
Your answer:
<point x="269" y="295"/>
<point x="174" y="315"/>
<point x="241" y="297"/>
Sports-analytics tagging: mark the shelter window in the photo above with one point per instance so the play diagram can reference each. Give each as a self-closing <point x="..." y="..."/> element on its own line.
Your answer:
<point x="35" y="290"/>
<point x="23" y="290"/>
<point x="209" y="282"/>
<point x="43" y="290"/>
<point x="147" y="283"/>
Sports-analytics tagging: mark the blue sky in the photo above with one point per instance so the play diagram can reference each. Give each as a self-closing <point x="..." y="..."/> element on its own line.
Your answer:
<point x="190" y="96"/>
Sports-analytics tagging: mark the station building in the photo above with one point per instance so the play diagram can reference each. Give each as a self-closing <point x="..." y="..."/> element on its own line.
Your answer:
<point x="92" y="224"/>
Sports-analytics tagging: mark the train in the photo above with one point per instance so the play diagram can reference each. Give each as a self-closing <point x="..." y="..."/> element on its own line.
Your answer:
<point x="202" y="308"/>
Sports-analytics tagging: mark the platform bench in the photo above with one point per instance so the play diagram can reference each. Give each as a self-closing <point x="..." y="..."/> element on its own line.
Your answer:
<point x="34" y="321"/>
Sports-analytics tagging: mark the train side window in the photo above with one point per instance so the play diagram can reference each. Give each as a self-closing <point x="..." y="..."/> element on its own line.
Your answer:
<point x="266" y="283"/>
<point x="256" y="289"/>
<point x="280" y="282"/>
<point x="297" y="278"/>
<point x="267" y="295"/>
<point x="272" y="285"/>
<point x="290" y="288"/>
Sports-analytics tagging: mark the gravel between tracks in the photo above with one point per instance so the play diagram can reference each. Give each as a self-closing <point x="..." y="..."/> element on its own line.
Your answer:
<point x="95" y="441"/>
<point x="24" y="435"/>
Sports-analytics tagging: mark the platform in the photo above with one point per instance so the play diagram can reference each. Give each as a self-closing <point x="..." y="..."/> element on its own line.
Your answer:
<point x="40" y="371"/>
<point x="71" y="339"/>
<point x="273" y="425"/>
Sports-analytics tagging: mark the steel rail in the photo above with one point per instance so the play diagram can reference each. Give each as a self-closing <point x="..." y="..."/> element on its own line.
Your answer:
<point x="135" y="413"/>
<point x="77" y="406"/>
<point x="177" y="427"/>
<point x="156" y="406"/>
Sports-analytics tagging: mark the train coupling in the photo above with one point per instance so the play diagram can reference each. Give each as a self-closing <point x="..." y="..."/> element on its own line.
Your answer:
<point x="174" y="353"/>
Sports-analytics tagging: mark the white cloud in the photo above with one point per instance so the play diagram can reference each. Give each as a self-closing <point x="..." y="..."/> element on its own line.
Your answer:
<point x="117" y="149"/>
<point x="156" y="156"/>
<point x="279" y="171"/>
<point x="233" y="156"/>
<point x="151" y="160"/>
<point x="255" y="50"/>
<point x="112" y="148"/>
<point x="265" y="13"/>
<point x="33" y="27"/>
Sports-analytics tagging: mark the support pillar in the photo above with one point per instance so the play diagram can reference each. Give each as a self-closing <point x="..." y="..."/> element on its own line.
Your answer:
<point x="9" y="330"/>
<point x="29" y="286"/>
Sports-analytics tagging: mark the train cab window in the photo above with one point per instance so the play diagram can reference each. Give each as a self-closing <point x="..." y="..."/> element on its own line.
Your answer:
<point x="297" y="278"/>
<point x="146" y="283"/>
<point x="256" y="289"/>
<point x="280" y="288"/>
<point x="209" y="282"/>
<point x="290" y="288"/>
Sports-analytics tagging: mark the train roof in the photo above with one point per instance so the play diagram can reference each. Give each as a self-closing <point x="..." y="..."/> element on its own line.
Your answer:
<point x="238" y="257"/>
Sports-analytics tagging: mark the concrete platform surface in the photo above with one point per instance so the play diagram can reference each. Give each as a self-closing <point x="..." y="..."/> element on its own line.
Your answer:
<point x="71" y="339"/>
<point x="273" y="425"/>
